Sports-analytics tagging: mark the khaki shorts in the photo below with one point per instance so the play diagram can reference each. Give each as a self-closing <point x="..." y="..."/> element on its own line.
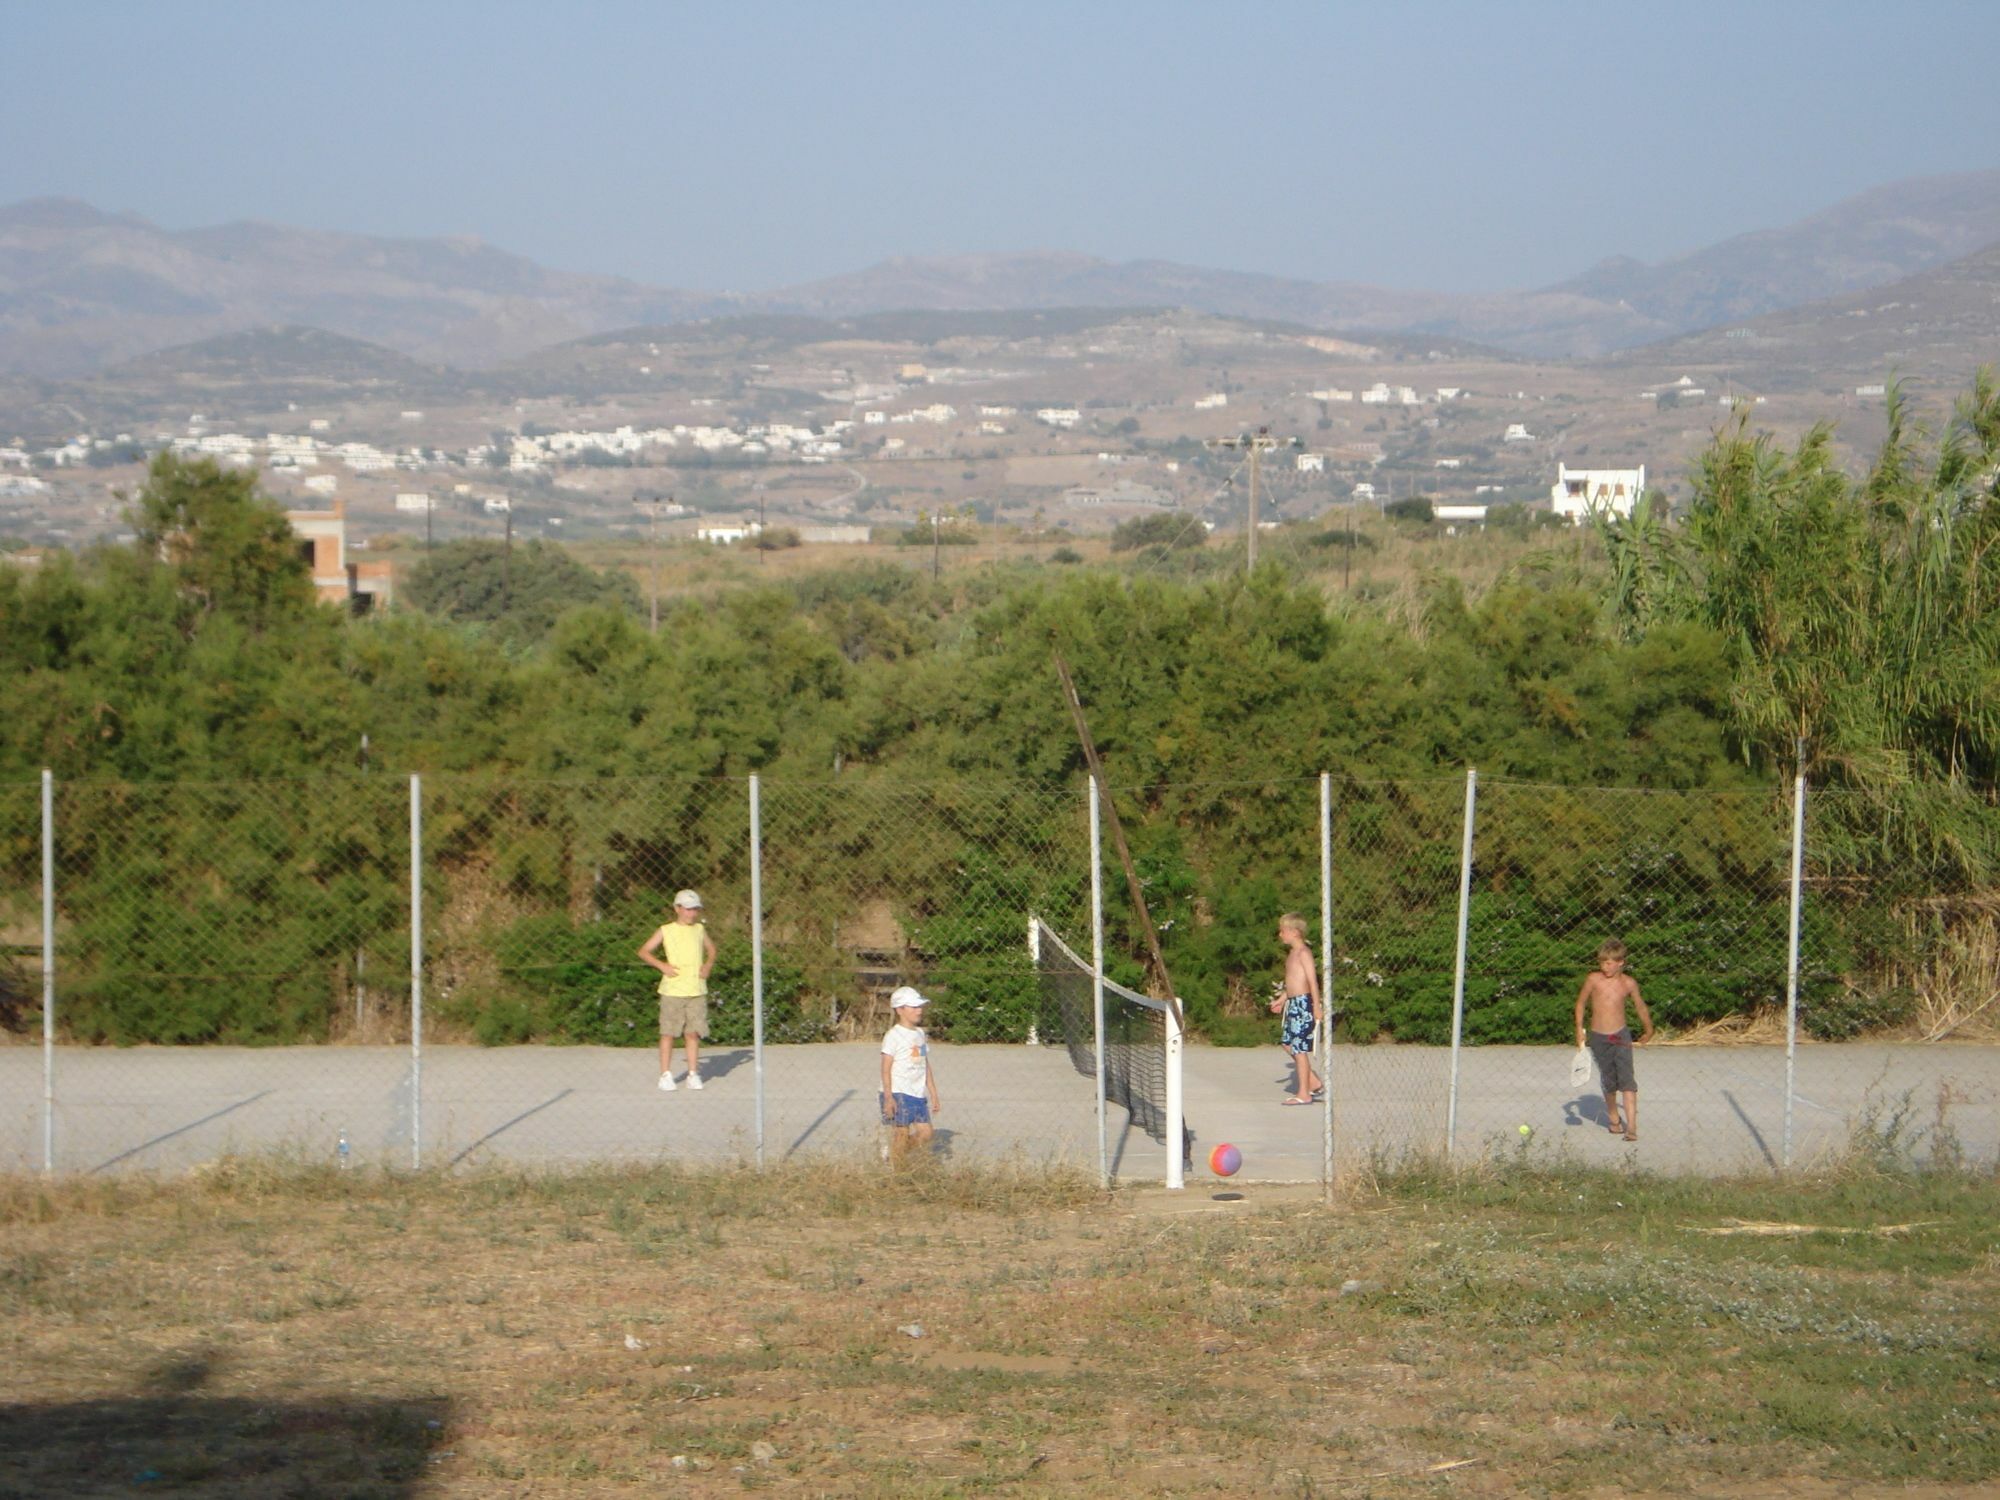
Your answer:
<point x="683" y="1015"/>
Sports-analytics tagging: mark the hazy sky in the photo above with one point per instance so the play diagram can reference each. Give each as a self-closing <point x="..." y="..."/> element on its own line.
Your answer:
<point x="742" y="146"/>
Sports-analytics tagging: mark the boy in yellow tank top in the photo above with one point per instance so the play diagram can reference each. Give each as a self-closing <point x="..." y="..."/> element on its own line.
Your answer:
<point x="683" y="953"/>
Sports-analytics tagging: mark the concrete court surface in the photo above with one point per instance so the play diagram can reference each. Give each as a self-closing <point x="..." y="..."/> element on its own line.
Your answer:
<point x="1701" y="1108"/>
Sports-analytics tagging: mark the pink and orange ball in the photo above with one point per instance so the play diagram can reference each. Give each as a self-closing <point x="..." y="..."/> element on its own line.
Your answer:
<point x="1225" y="1160"/>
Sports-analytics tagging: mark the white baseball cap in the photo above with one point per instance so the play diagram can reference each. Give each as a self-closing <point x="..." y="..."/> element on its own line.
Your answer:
<point x="689" y="899"/>
<point x="904" y="996"/>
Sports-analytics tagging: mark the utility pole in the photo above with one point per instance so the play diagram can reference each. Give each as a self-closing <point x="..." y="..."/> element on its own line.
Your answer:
<point x="507" y="562"/>
<point x="651" y="500"/>
<point x="763" y="550"/>
<point x="1256" y="444"/>
<point x="934" y="546"/>
<point x="653" y="558"/>
<point x="430" y="504"/>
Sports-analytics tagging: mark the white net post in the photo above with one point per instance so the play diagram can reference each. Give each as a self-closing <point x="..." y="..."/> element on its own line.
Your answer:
<point x="1458" y="963"/>
<point x="1792" y="956"/>
<point x="48" y="972"/>
<point x="1097" y="979"/>
<point x="416" y="971"/>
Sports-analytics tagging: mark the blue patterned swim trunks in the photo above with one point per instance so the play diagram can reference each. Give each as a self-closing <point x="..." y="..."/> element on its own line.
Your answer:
<point x="1297" y="1032"/>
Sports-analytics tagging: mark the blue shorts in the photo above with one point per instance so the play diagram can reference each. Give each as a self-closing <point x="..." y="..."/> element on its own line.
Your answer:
<point x="911" y="1109"/>
<point x="1297" y="1034"/>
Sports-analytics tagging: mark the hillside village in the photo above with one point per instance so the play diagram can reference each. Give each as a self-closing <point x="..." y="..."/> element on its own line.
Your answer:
<point x="728" y="437"/>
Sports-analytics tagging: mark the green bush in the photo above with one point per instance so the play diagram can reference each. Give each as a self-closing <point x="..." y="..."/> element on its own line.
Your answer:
<point x="569" y="983"/>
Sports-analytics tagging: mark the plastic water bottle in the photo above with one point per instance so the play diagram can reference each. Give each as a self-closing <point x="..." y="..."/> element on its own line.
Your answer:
<point x="344" y="1151"/>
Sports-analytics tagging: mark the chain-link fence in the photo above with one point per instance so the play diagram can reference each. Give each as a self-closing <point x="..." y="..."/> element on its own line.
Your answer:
<point x="237" y="967"/>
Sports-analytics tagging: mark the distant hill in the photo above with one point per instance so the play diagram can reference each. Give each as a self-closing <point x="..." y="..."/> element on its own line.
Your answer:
<point x="285" y="353"/>
<point x="1866" y="241"/>
<point x="81" y="290"/>
<point x="1543" y="323"/>
<point x="1934" y="328"/>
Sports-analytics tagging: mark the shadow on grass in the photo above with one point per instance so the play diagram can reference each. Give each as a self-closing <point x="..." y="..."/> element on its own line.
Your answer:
<point x="179" y="1442"/>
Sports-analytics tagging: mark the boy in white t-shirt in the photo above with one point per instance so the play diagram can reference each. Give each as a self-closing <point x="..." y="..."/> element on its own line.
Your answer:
<point x="909" y="1088"/>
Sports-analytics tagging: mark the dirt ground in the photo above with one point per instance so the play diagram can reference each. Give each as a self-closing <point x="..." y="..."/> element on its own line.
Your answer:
<point x="955" y="1331"/>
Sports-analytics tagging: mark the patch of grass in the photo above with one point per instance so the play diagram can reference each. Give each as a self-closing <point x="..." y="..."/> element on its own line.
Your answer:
<point x="1569" y="1330"/>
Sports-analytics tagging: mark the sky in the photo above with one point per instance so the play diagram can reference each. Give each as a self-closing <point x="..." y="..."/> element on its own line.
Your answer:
<point x="1457" y="147"/>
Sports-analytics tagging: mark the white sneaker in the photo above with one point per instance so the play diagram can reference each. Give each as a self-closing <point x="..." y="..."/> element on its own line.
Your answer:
<point x="693" y="1080"/>
<point x="666" y="1083"/>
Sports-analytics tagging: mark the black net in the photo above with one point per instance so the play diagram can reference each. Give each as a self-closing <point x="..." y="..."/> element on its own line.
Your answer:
<point x="1135" y="1034"/>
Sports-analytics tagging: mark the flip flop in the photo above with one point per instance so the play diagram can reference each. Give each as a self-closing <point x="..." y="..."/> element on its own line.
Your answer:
<point x="1631" y="1135"/>
<point x="1291" y="1103"/>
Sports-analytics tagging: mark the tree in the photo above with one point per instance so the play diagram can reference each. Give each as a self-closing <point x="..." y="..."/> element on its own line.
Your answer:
<point x="1415" y="508"/>
<point x="475" y="582"/>
<point x="1861" y="618"/>
<point x="1160" y="530"/>
<point x="227" y="545"/>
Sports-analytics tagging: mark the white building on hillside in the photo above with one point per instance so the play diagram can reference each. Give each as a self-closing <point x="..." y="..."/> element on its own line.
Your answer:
<point x="1578" y="493"/>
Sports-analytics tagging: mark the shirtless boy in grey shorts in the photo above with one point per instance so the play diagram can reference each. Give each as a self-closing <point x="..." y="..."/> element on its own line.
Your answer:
<point x="1605" y="992"/>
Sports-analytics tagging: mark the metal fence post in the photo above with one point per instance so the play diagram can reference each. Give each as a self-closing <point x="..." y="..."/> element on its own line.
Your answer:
<point x="1097" y="983"/>
<point x="1792" y="954"/>
<point x="48" y="972"/>
<point x="416" y="971"/>
<point x="1325" y="1038"/>
<point x="757" y="955"/>
<point x="1458" y="967"/>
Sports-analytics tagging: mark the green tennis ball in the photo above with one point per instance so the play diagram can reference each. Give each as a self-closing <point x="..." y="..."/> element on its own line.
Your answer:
<point x="1527" y="1130"/>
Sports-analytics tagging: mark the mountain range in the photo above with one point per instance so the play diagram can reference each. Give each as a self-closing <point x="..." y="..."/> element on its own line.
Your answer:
<point x="82" y="289"/>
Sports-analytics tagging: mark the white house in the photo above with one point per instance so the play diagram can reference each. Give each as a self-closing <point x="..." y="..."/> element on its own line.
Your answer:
<point x="418" y="501"/>
<point x="1473" y="513"/>
<point x="1517" y="432"/>
<point x="322" y="484"/>
<point x="724" y="535"/>
<point x="1309" y="463"/>
<point x="1211" y="402"/>
<point x="992" y="429"/>
<point x="1364" y="491"/>
<point x="1865" y="391"/>
<point x="1449" y="463"/>
<point x="1578" y="493"/>
<point x="1059" y="416"/>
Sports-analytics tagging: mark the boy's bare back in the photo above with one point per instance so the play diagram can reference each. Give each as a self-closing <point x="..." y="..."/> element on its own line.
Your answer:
<point x="1299" y="975"/>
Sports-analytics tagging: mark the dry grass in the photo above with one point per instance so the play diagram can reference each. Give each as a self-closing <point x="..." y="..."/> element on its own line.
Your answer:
<point x="1761" y="1028"/>
<point x="259" y="1331"/>
<point x="1958" y="992"/>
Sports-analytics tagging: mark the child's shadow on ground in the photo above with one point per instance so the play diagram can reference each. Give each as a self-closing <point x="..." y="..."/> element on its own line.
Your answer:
<point x="721" y="1064"/>
<point x="941" y="1143"/>
<point x="1586" y="1109"/>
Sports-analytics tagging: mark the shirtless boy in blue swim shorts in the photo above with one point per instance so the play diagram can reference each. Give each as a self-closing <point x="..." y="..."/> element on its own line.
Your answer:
<point x="1300" y="1007"/>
